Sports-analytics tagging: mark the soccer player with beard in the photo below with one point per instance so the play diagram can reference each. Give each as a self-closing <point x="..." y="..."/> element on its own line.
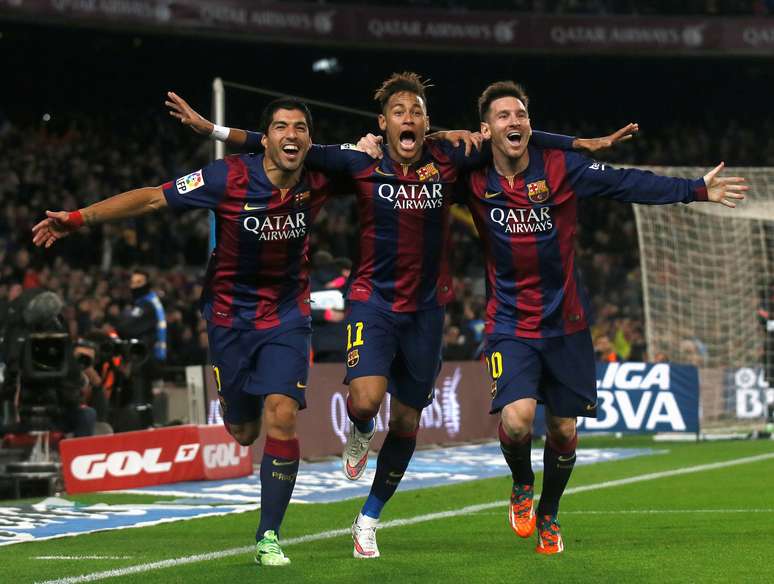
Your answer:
<point x="402" y="281"/>
<point x="538" y="345"/>
<point x="256" y="292"/>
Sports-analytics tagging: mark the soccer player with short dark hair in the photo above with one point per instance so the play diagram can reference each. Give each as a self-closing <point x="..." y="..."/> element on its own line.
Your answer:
<point x="538" y="345"/>
<point x="402" y="281"/>
<point x="256" y="292"/>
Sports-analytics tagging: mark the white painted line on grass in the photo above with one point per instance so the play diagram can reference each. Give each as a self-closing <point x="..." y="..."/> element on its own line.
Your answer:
<point x="652" y="511"/>
<point x="141" y="568"/>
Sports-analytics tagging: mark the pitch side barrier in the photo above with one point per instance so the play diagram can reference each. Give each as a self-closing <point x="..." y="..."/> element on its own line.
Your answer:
<point x="633" y="397"/>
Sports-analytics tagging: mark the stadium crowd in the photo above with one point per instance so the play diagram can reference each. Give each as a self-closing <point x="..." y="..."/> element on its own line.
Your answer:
<point x="51" y="167"/>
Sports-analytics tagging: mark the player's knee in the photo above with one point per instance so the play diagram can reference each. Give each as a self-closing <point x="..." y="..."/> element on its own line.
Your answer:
<point x="517" y="423"/>
<point x="280" y="414"/>
<point x="245" y="435"/>
<point x="404" y="420"/>
<point x="363" y="406"/>
<point x="404" y="425"/>
<point x="562" y="430"/>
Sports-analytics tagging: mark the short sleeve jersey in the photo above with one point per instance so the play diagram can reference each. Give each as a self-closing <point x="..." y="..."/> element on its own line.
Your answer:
<point x="258" y="273"/>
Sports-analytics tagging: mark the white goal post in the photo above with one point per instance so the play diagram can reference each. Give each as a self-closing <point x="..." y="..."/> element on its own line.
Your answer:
<point x="707" y="280"/>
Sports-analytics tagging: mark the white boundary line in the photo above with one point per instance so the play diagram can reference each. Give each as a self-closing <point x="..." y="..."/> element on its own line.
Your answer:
<point x="159" y="565"/>
<point x="652" y="511"/>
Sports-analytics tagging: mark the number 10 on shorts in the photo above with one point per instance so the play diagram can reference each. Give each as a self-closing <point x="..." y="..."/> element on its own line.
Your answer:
<point x="495" y="364"/>
<point x="358" y="335"/>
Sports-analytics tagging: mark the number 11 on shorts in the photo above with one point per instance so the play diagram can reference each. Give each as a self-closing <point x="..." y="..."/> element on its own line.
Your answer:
<point x="358" y="335"/>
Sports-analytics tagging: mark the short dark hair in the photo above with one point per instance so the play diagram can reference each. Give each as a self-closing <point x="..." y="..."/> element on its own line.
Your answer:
<point x="142" y="273"/>
<point x="497" y="90"/>
<point x="287" y="103"/>
<point x="397" y="82"/>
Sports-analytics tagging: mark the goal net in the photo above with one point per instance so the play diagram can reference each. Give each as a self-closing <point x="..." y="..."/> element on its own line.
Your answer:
<point x="707" y="287"/>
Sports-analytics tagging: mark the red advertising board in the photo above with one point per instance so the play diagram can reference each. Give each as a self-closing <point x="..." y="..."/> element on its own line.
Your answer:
<point x="151" y="457"/>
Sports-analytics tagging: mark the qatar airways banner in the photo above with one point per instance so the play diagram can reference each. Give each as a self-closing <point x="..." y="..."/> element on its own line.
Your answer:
<point x="399" y="28"/>
<point x="152" y="457"/>
<point x="459" y="412"/>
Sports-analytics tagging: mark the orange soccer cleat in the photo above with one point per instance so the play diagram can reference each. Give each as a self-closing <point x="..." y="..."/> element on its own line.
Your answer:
<point x="549" y="536"/>
<point x="521" y="511"/>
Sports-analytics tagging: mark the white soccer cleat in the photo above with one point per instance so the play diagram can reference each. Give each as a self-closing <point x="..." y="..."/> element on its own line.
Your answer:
<point x="364" y="537"/>
<point x="354" y="459"/>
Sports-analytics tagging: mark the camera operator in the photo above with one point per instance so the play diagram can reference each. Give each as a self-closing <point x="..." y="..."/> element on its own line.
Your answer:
<point x="146" y="322"/>
<point x="43" y="378"/>
<point x="88" y="356"/>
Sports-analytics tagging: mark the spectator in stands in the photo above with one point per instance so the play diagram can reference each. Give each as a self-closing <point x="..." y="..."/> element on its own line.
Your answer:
<point x="604" y="350"/>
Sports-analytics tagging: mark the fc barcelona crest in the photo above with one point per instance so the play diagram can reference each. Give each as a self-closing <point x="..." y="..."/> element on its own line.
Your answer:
<point x="538" y="191"/>
<point x="353" y="358"/>
<point x="301" y="199"/>
<point x="428" y="172"/>
<point x="494" y="389"/>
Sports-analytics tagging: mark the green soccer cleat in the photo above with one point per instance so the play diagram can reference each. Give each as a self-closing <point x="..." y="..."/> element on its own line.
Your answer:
<point x="268" y="551"/>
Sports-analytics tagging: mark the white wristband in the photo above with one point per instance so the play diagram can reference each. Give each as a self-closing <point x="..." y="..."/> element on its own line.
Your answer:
<point x="220" y="132"/>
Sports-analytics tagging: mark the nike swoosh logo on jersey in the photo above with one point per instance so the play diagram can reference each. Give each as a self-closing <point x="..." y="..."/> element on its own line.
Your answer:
<point x="566" y="458"/>
<point x="395" y="475"/>
<point x="489" y="195"/>
<point x="300" y="385"/>
<point x="378" y="170"/>
<point x="249" y="207"/>
<point x="276" y="462"/>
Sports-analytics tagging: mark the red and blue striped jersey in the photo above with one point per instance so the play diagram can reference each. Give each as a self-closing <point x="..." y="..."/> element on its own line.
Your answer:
<point x="258" y="273"/>
<point x="403" y="263"/>
<point x="528" y="226"/>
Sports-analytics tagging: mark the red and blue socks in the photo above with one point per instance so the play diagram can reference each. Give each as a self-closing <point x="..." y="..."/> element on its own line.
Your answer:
<point x="518" y="455"/>
<point x="394" y="457"/>
<point x="279" y="467"/>
<point x="558" y="462"/>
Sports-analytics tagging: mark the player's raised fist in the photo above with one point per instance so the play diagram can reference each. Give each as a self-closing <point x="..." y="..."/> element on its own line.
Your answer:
<point x="56" y="225"/>
<point x="179" y="108"/>
<point x="371" y="144"/>
<point x="725" y="190"/>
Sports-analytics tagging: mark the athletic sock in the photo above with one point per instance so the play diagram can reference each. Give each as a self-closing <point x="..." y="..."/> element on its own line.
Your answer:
<point x="558" y="462"/>
<point x="362" y="421"/>
<point x="518" y="455"/>
<point x="279" y="467"/>
<point x="392" y="463"/>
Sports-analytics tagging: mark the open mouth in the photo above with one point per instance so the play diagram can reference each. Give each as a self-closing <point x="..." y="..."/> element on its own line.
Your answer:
<point x="514" y="138"/>
<point x="407" y="139"/>
<point x="291" y="149"/>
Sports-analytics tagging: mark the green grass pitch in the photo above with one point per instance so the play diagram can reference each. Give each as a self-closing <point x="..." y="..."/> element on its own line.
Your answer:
<point x="712" y="525"/>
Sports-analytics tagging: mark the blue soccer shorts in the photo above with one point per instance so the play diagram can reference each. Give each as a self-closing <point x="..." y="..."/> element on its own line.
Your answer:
<point x="404" y="347"/>
<point x="557" y="371"/>
<point x="251" y="364"/>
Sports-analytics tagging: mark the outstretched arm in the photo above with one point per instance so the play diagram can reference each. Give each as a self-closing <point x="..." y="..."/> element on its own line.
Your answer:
<point x="179" y="108"/>
<point x="592" y="145"/>
<point x="590" y="178"/>
<point x="324" y="158"/>
<point x="545" y="139"/>
<point x="59" y="224"/>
